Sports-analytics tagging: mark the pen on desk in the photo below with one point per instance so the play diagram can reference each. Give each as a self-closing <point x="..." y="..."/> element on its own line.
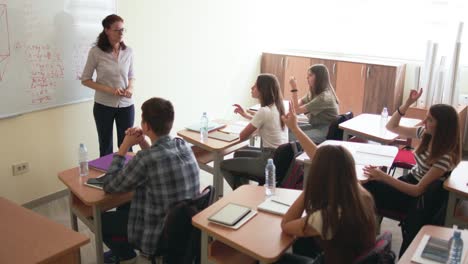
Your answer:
<point x="279" y="202"/>
<point x="224" y="132"/>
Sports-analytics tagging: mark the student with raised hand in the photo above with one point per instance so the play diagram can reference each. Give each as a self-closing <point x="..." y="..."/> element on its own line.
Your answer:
<point x="419" y="194"/>
<point x="339" y="212"/>
<point x="320" y="103"/>
<point x="250" y="162"/>
<point x="165" y="171"/>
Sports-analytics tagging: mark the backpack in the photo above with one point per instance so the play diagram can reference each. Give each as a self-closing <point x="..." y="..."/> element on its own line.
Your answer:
<point x="289" y="173"/>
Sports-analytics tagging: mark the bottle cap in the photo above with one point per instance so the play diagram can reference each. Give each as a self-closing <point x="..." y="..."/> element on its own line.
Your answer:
<point x="81" y="145"/>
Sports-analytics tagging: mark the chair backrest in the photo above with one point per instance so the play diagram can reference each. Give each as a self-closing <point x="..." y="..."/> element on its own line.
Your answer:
<point x="334" y="132"/>
<point x="288" y="173"/>
<point x="180" y="241"/>
<point x="380" y="253"/>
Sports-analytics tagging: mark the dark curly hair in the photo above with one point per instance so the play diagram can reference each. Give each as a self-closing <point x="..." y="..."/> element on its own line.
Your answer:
<point x="102" y="41"/>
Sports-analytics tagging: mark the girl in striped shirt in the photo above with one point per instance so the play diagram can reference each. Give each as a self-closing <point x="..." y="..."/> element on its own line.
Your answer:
<point x="419" y="195"/>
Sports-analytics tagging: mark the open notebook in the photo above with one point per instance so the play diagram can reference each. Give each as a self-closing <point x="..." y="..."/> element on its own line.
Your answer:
<point x="223" y="136"/>
<point x="278" y="204"/>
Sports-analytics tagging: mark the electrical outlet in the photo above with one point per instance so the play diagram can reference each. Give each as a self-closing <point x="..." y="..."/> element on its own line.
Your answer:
<point x="20" y="168"/>
<point x="463" y="99"/>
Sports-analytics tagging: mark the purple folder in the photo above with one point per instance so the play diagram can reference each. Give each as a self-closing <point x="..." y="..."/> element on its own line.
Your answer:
<point x="103" y="163"/>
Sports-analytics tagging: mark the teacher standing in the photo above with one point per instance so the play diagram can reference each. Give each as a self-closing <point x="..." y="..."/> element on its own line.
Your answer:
<point x="113" y="62"/>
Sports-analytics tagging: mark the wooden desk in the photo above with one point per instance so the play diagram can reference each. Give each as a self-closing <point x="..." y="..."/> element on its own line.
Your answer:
<point x="457" y="185"/>
<point x="368" y="126"/>
<point x="211" y="150"/>
<point x="28" y="237"/>
<point x="363" y="154"/>
<point x="87" y="203"/>
<point x="437" y="231"/>
<point x="260" y="238"/>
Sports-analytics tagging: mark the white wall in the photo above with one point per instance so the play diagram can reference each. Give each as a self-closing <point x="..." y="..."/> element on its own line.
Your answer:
<point x="202" y="55"/>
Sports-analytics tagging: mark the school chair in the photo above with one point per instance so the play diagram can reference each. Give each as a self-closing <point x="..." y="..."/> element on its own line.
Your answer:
<point x="289" y="173"/>
<point x="336" y="133"/>
<point x="404" y="160"/>
<point x="180" y="241"/>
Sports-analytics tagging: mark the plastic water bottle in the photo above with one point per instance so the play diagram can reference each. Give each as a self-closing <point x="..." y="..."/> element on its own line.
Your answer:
<point x="456" y="247"/>
<point x="383" y="118"/>
<point x="270" y="178"/>
<point x="83" y="160"/>
<point x="204" y="127"/>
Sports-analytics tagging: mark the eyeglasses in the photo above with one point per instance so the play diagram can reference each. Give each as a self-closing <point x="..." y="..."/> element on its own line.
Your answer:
<point x="122" y="30"/>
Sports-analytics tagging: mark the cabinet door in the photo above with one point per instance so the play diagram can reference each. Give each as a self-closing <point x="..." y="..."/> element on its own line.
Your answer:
<point x="350" y="86"/>
<point x="297" y="67"/>
<point x="380" y="88"/>
<point x="332" y="68"/>
<point x="274" y="64"/>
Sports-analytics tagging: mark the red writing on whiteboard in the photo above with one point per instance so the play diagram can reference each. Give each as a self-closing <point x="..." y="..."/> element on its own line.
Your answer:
<point x="47" y="70"/>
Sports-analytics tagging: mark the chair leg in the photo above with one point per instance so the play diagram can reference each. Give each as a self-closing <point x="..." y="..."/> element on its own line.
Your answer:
<point x="157" y="260"/>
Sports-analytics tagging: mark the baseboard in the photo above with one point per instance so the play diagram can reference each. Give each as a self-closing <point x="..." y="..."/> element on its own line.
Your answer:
<point x="46" y="199"/>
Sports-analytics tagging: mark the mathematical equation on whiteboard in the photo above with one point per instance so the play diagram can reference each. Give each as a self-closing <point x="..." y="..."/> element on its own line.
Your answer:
<point x="46" y="71"/>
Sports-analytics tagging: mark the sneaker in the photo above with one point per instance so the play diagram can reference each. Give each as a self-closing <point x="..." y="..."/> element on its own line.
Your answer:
<point x="110" y="258"/>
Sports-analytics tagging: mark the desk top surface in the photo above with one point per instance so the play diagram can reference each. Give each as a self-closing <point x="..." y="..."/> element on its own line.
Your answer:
<point x="458" y="180"/>
<point x="363" y="154"/>
<point x="250" y="238"/>
<point x="369" y="126"/>
<point x="210" y="144"/>
<point x="88" y="195"/>
<point x="437" y="231"/>
<point x="31" y="238"/>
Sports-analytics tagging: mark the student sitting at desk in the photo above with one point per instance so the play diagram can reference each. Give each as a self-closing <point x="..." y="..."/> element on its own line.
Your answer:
<point x="419" y="194"/>
<point x="160" y="174"/>
<point x="320" y="104"/>
<point x="267" y="121"/>
<point x="339" y="212"/>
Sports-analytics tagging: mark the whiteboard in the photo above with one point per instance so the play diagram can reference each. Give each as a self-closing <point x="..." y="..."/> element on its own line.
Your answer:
<point x="44" y="45"/>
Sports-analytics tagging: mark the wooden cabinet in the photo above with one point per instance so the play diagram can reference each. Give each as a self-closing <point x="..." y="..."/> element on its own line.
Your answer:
<point x="384" y="88"/>
<point x="331" y="65"/>
<point x="297" y="67"/>
<point x="350" y="83"/>
<point x="284" y="67"/>
<point x="362" y="86"/>
<point x="273" y="63"/>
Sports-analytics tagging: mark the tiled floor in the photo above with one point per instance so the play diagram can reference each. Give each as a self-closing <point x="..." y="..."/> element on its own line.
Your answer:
<point x="58" y="211"/>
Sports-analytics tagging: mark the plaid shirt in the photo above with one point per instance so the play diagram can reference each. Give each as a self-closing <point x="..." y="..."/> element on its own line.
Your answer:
<point x="165" y="173"/>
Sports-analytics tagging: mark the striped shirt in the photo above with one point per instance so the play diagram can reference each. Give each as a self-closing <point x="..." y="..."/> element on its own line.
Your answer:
<point x="165" y="173"/>
<point x="422" y="167"/>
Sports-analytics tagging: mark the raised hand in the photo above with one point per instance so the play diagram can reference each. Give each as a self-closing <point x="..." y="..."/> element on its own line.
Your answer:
<point x="290" y="119"/>
<point x="293" y="82"/>
<point x="239" y="110"/>
<point x="413" y="96"/>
